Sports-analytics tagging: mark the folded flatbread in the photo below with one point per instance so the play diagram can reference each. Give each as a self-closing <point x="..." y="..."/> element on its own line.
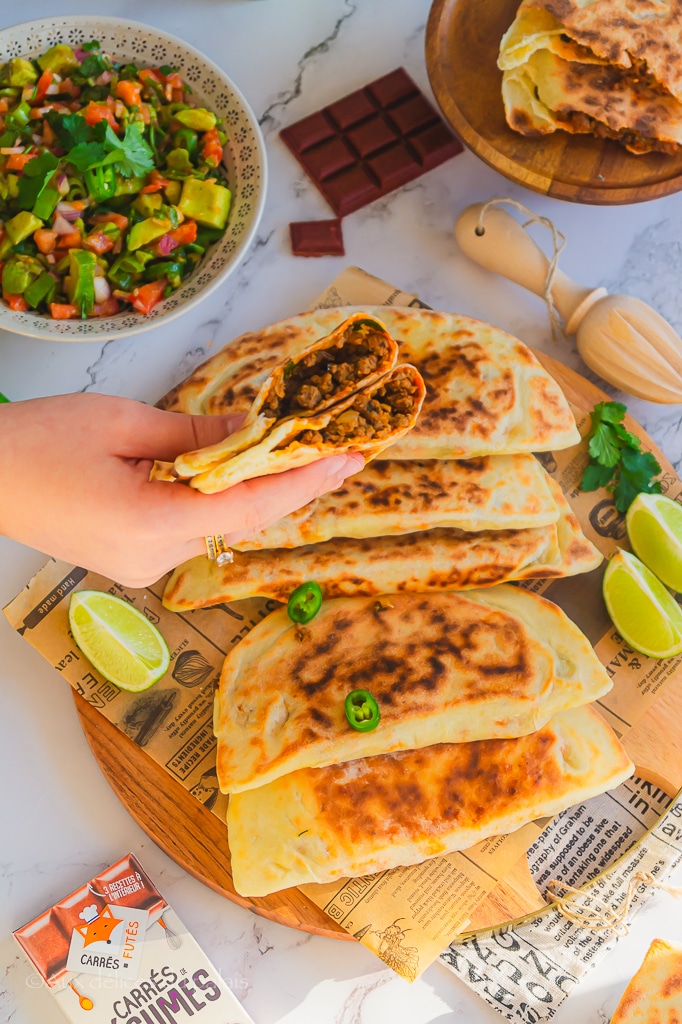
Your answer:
<point x="367" y="421"/>
<point x="486" y="393"/>
<point x="563" y="68"/>
<point x="377" y="813"/>
<point x="443" y="559"/>
<point x="654" y="994"/>
<point x="488" y="493"/>
<point x="443" y="667"/>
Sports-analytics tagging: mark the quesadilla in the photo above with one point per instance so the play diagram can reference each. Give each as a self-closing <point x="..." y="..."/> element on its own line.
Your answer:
<point x="487" y="493"/>
<point x="654" y="994"/>
<point x="367" y="421"/>
<point x="426" y="561"/>
<point x="486" y="393"/>
<point x="377" y="813"/>
<point x="442" y="667"/>
<point x="564" y="69"/>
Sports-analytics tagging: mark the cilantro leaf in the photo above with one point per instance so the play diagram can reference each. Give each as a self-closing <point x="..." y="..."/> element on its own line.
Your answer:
<point x="93" y="65"/>
<point x="616" y="458"/>
<point x="608" y="412"/>
<point x="70" y="129"/>
<point x="604" y="447"/>
<point x="134" y="156"/>
<point x="596" y="476"/>
<point x="37" y="174"/>
<point x="86" y="155"/>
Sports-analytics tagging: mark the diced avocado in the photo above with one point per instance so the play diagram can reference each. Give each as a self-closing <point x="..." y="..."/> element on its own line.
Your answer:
<point x="18" y="273"/>
<point x="178" y="160"/>
<point x="41" y="290"/>
<point x="147" y="231"/>
<point x="21" y="226"/>
<point x="198" y="118"/>
<point x="148" y="204"/>
<point x="205" y="202"/>
<point x="128" y="186"/>
<point x="21" y="72"/>
<point x="81" y="280"/>
<point x="172" y="192"/>
<point x="59" y="58"/>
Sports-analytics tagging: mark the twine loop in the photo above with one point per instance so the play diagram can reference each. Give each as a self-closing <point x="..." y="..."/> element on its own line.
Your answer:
<point x="573" y="906"/>
<point x="558" y="244"/>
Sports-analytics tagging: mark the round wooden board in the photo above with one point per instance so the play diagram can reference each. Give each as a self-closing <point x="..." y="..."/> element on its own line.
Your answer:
<point x="197" y="840"/>
<point x="462" y="43"/>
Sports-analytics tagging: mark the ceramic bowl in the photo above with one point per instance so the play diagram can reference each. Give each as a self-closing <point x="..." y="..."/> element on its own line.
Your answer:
<point x="244" y="161"/>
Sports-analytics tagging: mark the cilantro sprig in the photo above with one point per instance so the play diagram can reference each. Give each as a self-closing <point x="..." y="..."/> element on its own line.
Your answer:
<point x="617" y="461"/>
<point x="131" y="155"/>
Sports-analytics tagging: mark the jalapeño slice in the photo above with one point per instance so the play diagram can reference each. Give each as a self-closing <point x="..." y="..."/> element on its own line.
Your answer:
<point x="305" y="602"/>
<point x="362" y="711"/>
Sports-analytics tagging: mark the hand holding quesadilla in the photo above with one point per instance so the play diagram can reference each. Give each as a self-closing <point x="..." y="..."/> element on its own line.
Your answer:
<point x="342" y="394"/>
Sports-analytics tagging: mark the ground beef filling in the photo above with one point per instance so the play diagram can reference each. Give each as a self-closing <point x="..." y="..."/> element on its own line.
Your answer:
<point x="632" y="140"/>
<point x="326" y="372"/>
<point x="373" y="415"/>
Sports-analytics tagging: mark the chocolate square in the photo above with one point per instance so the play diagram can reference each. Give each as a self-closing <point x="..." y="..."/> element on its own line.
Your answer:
<point x="394" y="86"/>
<point x="350" y="190"/>
<point x="327" y="159"/>
<point x="371" y="136"/>
<point x="317" y="238"/>
<point x="351" y="109"/>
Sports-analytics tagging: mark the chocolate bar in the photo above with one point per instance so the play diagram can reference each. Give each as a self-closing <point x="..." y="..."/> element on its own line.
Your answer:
<point x="371" y="142"/>
<point x="316" y="238"/>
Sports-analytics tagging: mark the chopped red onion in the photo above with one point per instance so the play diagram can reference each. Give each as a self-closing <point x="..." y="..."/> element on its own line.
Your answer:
<point x="62" y="183"/>
<point x="166" y="244"/>
<point x="61" y="225"/>
<point x="102" y="289"/>
<point x="68" y="211"/>
<point x="104" y="78"/>
<point x="80" y="54"/>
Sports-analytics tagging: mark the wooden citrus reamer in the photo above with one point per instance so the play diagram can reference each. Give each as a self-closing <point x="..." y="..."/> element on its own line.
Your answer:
<point x="619" y="337"/>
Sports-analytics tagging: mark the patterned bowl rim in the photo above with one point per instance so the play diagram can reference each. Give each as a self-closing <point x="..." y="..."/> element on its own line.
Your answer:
<point x="47" y="333"/>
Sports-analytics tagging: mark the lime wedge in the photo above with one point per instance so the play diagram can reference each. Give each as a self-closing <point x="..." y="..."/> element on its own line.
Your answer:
<point x="123" y="645"/>
<point x="645" y="614"/>
<point x="654" y="525"/>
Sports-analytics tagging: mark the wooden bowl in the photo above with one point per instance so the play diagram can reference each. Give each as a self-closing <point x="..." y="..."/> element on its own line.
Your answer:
<point x="462" y="43"/>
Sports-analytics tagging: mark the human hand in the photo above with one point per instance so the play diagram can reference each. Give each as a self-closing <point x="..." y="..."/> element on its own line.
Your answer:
<point x="75" y="471"/>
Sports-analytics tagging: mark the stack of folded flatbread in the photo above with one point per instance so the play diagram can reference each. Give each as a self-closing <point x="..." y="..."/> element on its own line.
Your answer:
<point x="482" y="692"/>
<point x="610" y="68"/>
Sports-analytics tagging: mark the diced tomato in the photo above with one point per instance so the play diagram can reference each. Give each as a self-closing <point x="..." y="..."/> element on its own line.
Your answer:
<point x="74" y="240"/>
<point x="48" y="134"/>
<point x="211" y="149"/>
<point x="111" y="218"/>
<point x="98" y="242"/>
<point x="44" y="82"/>
<point x="156" y="183"/>
<point x="4" y="104"/>
<point x="63" y="310"/>
<point x="16" y="302"/>
<point x="17" y="161"/>
<point x="173" y="86"/>
<point x="70" y="88"/>
<point x="150" y="75"/>
<point x="109" y="307"/>
<point x="148" y="295"/>
<point x="45" y="240"/>
<point x="96" y="112"/>
<point x="185" y="233"/>
<point x="129" y="92"/>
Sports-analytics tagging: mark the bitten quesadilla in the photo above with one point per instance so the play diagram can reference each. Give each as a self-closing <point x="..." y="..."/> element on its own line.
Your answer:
<point x="488" y="493"/>
<point x="595" y="67"/>
<point x="367" y="421"/>
<point x="376" y="813"/>
<point x="420" y="562"/>
<point x="486" y="393"/>
<point x="442" y="667"/>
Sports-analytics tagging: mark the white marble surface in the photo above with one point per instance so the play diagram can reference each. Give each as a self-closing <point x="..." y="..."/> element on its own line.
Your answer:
<point x="60" y="823"/>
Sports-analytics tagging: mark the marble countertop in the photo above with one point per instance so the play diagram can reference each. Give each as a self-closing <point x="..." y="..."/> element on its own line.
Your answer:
<point x="61" y="823"/>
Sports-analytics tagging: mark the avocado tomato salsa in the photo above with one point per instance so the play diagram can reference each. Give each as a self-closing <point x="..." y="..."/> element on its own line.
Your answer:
<point x="110" y="187"/>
